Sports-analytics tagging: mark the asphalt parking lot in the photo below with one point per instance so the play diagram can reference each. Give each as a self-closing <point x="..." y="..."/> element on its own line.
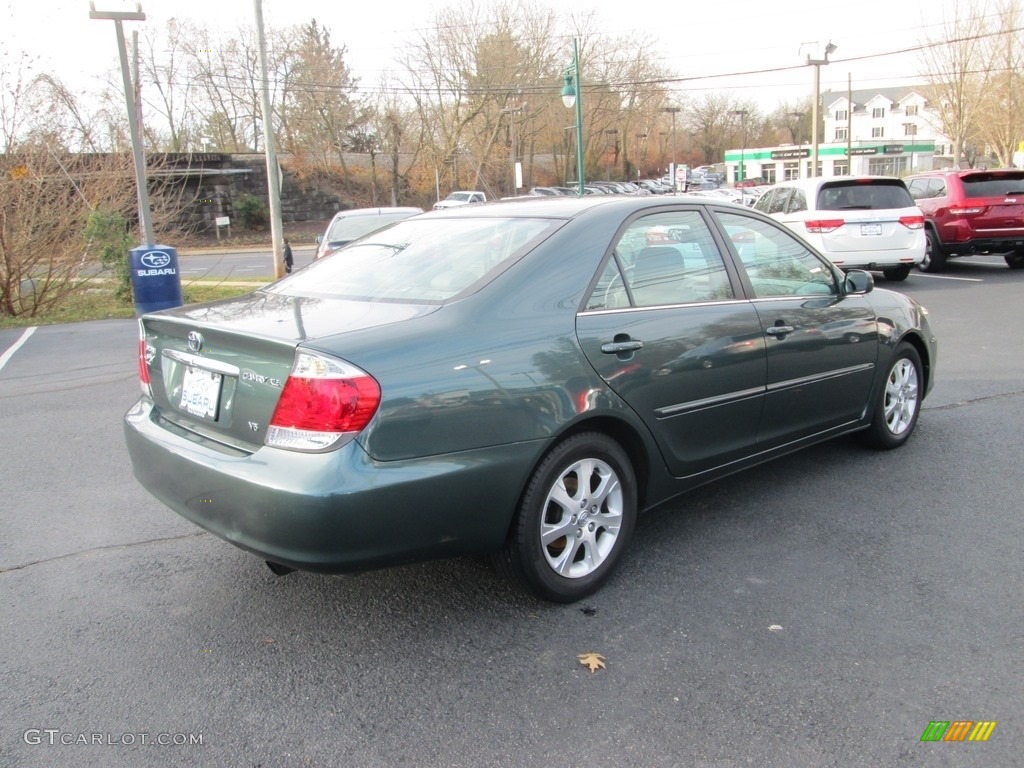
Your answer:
<point x="821" y="610"/>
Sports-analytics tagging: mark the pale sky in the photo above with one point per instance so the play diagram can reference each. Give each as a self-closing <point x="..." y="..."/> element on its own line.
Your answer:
<point x="694" y="38"/>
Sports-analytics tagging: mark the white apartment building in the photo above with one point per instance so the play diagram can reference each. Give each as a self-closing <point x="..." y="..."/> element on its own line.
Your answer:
<point x="886" y="131"/>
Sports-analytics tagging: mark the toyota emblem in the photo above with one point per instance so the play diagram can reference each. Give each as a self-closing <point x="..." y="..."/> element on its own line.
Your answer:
<point x="195" y="341"/>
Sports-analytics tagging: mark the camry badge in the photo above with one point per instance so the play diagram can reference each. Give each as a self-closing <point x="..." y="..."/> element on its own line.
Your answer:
<point x="195" y="341"/>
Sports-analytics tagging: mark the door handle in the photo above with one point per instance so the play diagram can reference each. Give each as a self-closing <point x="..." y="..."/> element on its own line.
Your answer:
<point x="618" y="347"/>
<point x="779" y="330"/>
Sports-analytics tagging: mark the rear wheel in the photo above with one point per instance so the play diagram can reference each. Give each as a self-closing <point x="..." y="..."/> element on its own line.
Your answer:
<point x="575" y="519"/>
<point x="897" y="274"/>
<point x="1015" y="260"/>
<point x="934" y="258"/>
<point x="898" y="401"/>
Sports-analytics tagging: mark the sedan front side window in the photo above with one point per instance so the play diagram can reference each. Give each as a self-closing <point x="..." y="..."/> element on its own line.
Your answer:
<point x="776" y="263"/>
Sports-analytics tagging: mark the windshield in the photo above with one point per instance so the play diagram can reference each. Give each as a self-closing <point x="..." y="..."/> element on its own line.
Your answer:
<point x="419" y="260"/>
<point x="459" y="197"/>
<point x="350" y="228"/>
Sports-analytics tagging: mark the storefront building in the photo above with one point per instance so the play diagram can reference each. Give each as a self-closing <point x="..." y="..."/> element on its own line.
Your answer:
<point x="773" y="164"/>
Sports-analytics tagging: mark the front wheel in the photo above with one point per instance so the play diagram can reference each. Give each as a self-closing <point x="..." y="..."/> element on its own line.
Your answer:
<point x="898" y="401"/>
<point x="897" y="274"/>
<point x="575" y="519"/>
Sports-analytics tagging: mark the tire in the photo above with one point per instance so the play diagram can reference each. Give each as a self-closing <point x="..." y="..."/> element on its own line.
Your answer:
<point x="597" y="520"/>
<point x="934" y="258"/>
<point x="1015" y="260"/>
<point x="897" y="274"/>
<point x="897" y="402"/>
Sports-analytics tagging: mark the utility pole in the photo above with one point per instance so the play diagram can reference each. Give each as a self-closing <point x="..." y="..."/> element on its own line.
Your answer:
<point x="273" y="180"/>
<point x="673" y="111"/>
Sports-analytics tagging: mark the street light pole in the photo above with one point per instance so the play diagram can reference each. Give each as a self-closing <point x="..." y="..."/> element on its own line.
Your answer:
<point x="742" y="113"/>
<point x="572" y="95"/>
<point x="817" y="63"/>
<point x="673" y="111"/>
<point x="133" y="127"/>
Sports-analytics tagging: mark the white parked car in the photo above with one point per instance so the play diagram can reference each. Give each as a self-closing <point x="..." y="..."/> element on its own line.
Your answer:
<point x="859" y="222"/>
<point x="354" y="223"/>
<point x="461" y="197"/>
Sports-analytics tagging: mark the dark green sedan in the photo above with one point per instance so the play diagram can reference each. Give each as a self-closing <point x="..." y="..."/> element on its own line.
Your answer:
<point x="518" y="378"/>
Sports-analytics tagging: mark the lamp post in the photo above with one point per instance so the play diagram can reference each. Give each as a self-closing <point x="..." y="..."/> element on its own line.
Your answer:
<point x="742" y="114"/>
<point x="612" y="134"/>
<point x="830" y="48"/>
<point x="673" y="111"/>
<point x="572" y="95"/>
<point x="799" y="142"/>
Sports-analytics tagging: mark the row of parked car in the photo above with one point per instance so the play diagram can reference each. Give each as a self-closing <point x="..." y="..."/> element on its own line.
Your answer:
<point x="890" y="224"/>
<point x="879" y="223"/>
<point x="598" y="188"/>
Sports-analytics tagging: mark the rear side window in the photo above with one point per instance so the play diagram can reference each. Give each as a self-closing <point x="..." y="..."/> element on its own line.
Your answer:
<point x="985" y="185"/>
<point x="798" y="202"/>
<point x="872" y="195"/>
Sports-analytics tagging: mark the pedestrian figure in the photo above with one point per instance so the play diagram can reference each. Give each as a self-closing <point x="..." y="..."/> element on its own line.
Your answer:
<point x="288" y="261"/>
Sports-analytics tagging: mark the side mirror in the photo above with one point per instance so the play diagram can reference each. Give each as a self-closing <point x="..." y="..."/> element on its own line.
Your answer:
<point x="319" y="239"/>
<point x="858" y="281"/>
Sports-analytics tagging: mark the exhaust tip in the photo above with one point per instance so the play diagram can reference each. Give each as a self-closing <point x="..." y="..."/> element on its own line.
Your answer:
<point x="279" y="570"/>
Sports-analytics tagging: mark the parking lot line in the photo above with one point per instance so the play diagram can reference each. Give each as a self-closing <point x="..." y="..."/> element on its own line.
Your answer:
<point x="947" y="277"/>
<point x="16" y="346"/>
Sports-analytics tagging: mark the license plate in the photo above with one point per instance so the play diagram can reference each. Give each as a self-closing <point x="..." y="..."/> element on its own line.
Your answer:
<point x="200" y="392"/>
<point x="870" y="229"/>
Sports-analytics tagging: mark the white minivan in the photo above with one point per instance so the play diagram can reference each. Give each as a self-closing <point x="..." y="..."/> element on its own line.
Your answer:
<point x="859" y="222"/>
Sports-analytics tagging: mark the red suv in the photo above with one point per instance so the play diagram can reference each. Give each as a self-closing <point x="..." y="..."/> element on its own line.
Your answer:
<point x="970" y="211"/>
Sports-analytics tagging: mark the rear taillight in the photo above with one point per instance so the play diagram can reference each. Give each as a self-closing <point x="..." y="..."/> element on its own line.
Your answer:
<point x="965" y="211"/>
<point x="324" y="401"/>
<point x="912" y="222"/>
<point x="819" y="226"/>
<point x="144" y="358"/>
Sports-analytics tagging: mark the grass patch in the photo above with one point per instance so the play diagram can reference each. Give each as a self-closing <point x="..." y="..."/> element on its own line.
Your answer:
<point x="99" y="303"/>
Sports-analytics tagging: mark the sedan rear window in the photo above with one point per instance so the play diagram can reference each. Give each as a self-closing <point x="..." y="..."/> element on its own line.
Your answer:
<point x="864" y="195"/>
<point x="983" y="185"/>
<point x="419" y="260"/>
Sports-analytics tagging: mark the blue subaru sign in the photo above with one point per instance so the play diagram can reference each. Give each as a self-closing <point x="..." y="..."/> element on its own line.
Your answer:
<point x="156" y="282"/>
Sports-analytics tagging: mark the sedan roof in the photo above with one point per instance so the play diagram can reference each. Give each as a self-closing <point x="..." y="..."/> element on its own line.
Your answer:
<point x="567" y="207"/>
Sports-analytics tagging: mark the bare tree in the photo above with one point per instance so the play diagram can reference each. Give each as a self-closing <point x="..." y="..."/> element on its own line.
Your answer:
<point x="1001" y="109"/>
<point x="953" y="63"/>
<point x="15" y="86"/>
<point x="46" y="199"/>
<point x="167" y="88"/>
<point x="717" y="121"/>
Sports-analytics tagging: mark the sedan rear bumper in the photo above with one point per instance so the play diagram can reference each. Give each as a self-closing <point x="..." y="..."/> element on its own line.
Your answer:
<point x="331" y="512"/>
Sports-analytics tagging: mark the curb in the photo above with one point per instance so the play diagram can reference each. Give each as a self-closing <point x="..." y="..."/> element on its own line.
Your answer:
<point x="207" y="250"/>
